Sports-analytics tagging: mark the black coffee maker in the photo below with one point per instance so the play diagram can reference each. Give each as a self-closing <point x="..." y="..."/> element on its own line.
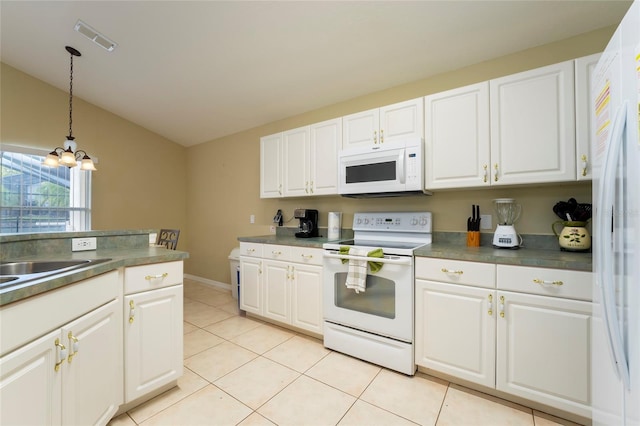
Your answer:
<point x="308" y="223"/>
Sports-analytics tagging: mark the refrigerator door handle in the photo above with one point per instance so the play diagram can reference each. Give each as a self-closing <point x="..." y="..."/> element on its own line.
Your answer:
<point x="606" y="275"/>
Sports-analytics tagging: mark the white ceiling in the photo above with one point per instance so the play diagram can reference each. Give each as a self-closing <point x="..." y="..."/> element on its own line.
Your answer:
<point x="194" y="71"/>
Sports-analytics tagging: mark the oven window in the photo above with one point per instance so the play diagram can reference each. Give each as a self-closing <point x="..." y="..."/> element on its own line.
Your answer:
<point x="378" y="300"/>
<point x="374" y="172"/>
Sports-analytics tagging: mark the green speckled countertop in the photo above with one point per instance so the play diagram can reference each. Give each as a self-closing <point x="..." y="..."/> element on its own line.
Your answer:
<point x="124" y="248"/>
<point x="540" y="251"/>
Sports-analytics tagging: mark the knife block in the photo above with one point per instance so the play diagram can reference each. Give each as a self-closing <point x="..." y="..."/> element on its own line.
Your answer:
<point x="473" y="239"/>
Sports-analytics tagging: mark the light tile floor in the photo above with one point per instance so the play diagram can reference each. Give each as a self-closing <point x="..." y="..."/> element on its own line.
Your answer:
<point x="240" y="371"/>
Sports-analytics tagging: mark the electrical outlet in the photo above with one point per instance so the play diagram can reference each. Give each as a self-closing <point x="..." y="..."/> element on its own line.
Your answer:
<point x="252" y="218"/>
<point x="485" y="221"/>
<point x="272" y="229"/>
<point x="83" y="244"/>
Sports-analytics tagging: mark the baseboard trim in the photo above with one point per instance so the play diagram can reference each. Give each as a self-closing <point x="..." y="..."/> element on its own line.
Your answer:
<point x="208" y="282"/>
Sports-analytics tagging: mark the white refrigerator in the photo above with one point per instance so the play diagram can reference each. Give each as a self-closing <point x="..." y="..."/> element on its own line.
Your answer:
<point x="615" y="338"/>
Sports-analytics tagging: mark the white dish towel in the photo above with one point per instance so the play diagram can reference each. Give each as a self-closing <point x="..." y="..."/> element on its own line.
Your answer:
<point x="357" y="273"/>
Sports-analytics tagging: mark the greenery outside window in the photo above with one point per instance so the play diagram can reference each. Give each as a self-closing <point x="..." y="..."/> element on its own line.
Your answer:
<point x="37" y="198"/>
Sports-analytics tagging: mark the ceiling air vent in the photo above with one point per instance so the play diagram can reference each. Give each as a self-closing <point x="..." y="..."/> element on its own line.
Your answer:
<point x="99" y="39"/>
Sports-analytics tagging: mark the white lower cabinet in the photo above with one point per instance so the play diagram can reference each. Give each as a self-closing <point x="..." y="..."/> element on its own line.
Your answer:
<point x="73" y="374"/>
<point x="153" y="336"/>
<point x="276" y="289"/>
<point x="521" y="330"/>
<point x="543" y="350"/>
<point x="282" y="283"/>
<point x="456" y="330"/>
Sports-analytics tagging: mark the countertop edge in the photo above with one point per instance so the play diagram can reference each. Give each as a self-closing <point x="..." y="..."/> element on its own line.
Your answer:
<point x="119" y="259"/>
<point x="555" y="259"/>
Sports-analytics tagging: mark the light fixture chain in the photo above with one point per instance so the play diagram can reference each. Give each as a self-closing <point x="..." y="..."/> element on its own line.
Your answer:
<point x="71" y="100"/>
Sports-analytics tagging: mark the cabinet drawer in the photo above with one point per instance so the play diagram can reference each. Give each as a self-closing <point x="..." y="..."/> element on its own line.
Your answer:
<point x="310" y="256"/>
<point x="251" y="249"/>
<point x="545" y="281"/>
<point x="456" y="271"/>
<point x="153" y="276"/>
<point x="270" y="251"/>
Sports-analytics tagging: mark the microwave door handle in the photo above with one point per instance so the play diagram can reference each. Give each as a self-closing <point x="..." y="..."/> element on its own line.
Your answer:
<point x="401" y="166"/>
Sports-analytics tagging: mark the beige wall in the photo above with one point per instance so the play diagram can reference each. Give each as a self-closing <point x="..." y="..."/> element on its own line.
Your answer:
<point x="141" y="178"/>
<point x="223" y="175"/>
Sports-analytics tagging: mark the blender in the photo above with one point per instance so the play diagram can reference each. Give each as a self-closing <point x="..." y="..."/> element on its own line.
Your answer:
<point x="508" y="213"/>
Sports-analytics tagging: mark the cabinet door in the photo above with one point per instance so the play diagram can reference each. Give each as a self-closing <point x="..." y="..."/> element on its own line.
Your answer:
<point x="271" y="166"/>
<point x="360" y="129"/>
<point x="30" y="388"/>
<point x="251" y="285"/>
<point x="295" y="167"/>
<point x="326" y="140"/>
<point x="455" y="330"/>
<point x="457" y="122"/>
<point x="153" y="340"/>
<point x="92" y="385"/>
<point x="306" y="297"/>
<point x="584" y="114"/>
<point x="276" y="277"/>
<point x="533" y="126"/>
<point x="543" y="350"/>
<point x="402" y="120"/>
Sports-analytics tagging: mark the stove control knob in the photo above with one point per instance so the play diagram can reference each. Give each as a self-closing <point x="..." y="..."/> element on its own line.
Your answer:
<point x="414" y="221"/>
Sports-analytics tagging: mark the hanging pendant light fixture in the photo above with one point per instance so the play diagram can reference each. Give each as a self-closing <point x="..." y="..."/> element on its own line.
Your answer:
<point x="68" y="155"/>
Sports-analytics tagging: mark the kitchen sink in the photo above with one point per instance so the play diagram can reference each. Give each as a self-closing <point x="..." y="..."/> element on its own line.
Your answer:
<point x="35" y="267"/>
<point x="14" y="273"/>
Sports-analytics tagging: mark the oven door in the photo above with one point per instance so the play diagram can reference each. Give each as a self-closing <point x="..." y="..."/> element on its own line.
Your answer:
<point x="385" y="308"/>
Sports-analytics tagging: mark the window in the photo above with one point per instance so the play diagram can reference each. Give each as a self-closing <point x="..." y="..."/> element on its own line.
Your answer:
<point x="37" y="198"/>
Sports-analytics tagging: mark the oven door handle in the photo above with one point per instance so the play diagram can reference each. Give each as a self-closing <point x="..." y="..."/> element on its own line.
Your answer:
<point x="393" y="260"/>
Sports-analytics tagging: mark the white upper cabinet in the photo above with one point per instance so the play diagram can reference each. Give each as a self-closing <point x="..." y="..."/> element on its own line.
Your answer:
<point x="533" y="126"/>
<point x="271" y="166"/>
<point x="379" y="125"/>
<point x="295" y="166"/>
<point x="584" y="114"/>
<point x="301" y="162"/>
<point x="457" y="143"/>
<point x="326" y="140"/>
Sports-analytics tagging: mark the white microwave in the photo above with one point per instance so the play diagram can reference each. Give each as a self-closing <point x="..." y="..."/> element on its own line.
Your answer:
<point x="384" y="170"/>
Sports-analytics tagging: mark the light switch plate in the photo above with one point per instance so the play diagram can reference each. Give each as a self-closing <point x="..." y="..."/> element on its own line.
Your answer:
<point x="83" y="244"/>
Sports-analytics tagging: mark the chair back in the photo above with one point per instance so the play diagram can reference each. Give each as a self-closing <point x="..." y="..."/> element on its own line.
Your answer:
<point x="168" y="238"/>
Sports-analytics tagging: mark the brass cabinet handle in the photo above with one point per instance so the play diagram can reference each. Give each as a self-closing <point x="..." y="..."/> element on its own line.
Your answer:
<point x="62" y="354"/>
<point x="74" y="345"/>
<point x="490" y="312"/>
<point x="276" y="253"/>
<point x="375" y="137"/>
<point x="495" y="173"/>
<point x="585" y="164"/>
<point x="543" y="282"/>
<point x="501" y="307"/>
<point x="306" y="187"/>
<point x="307" y="256"/>
<point x="311" y="187"/>
<point x="449" y="271"/>
<point x="132" y="311"/>
<point x="485" y="173"/>
<point x="381" y="135"/>
<point x="154" y="277"/>
<point x="280" y="189"/>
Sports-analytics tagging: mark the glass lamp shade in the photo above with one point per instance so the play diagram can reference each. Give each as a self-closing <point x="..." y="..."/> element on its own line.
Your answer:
<point x="52" y="160"/>
<point x="68" y="158"/>
<point x="87" y="164"/>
